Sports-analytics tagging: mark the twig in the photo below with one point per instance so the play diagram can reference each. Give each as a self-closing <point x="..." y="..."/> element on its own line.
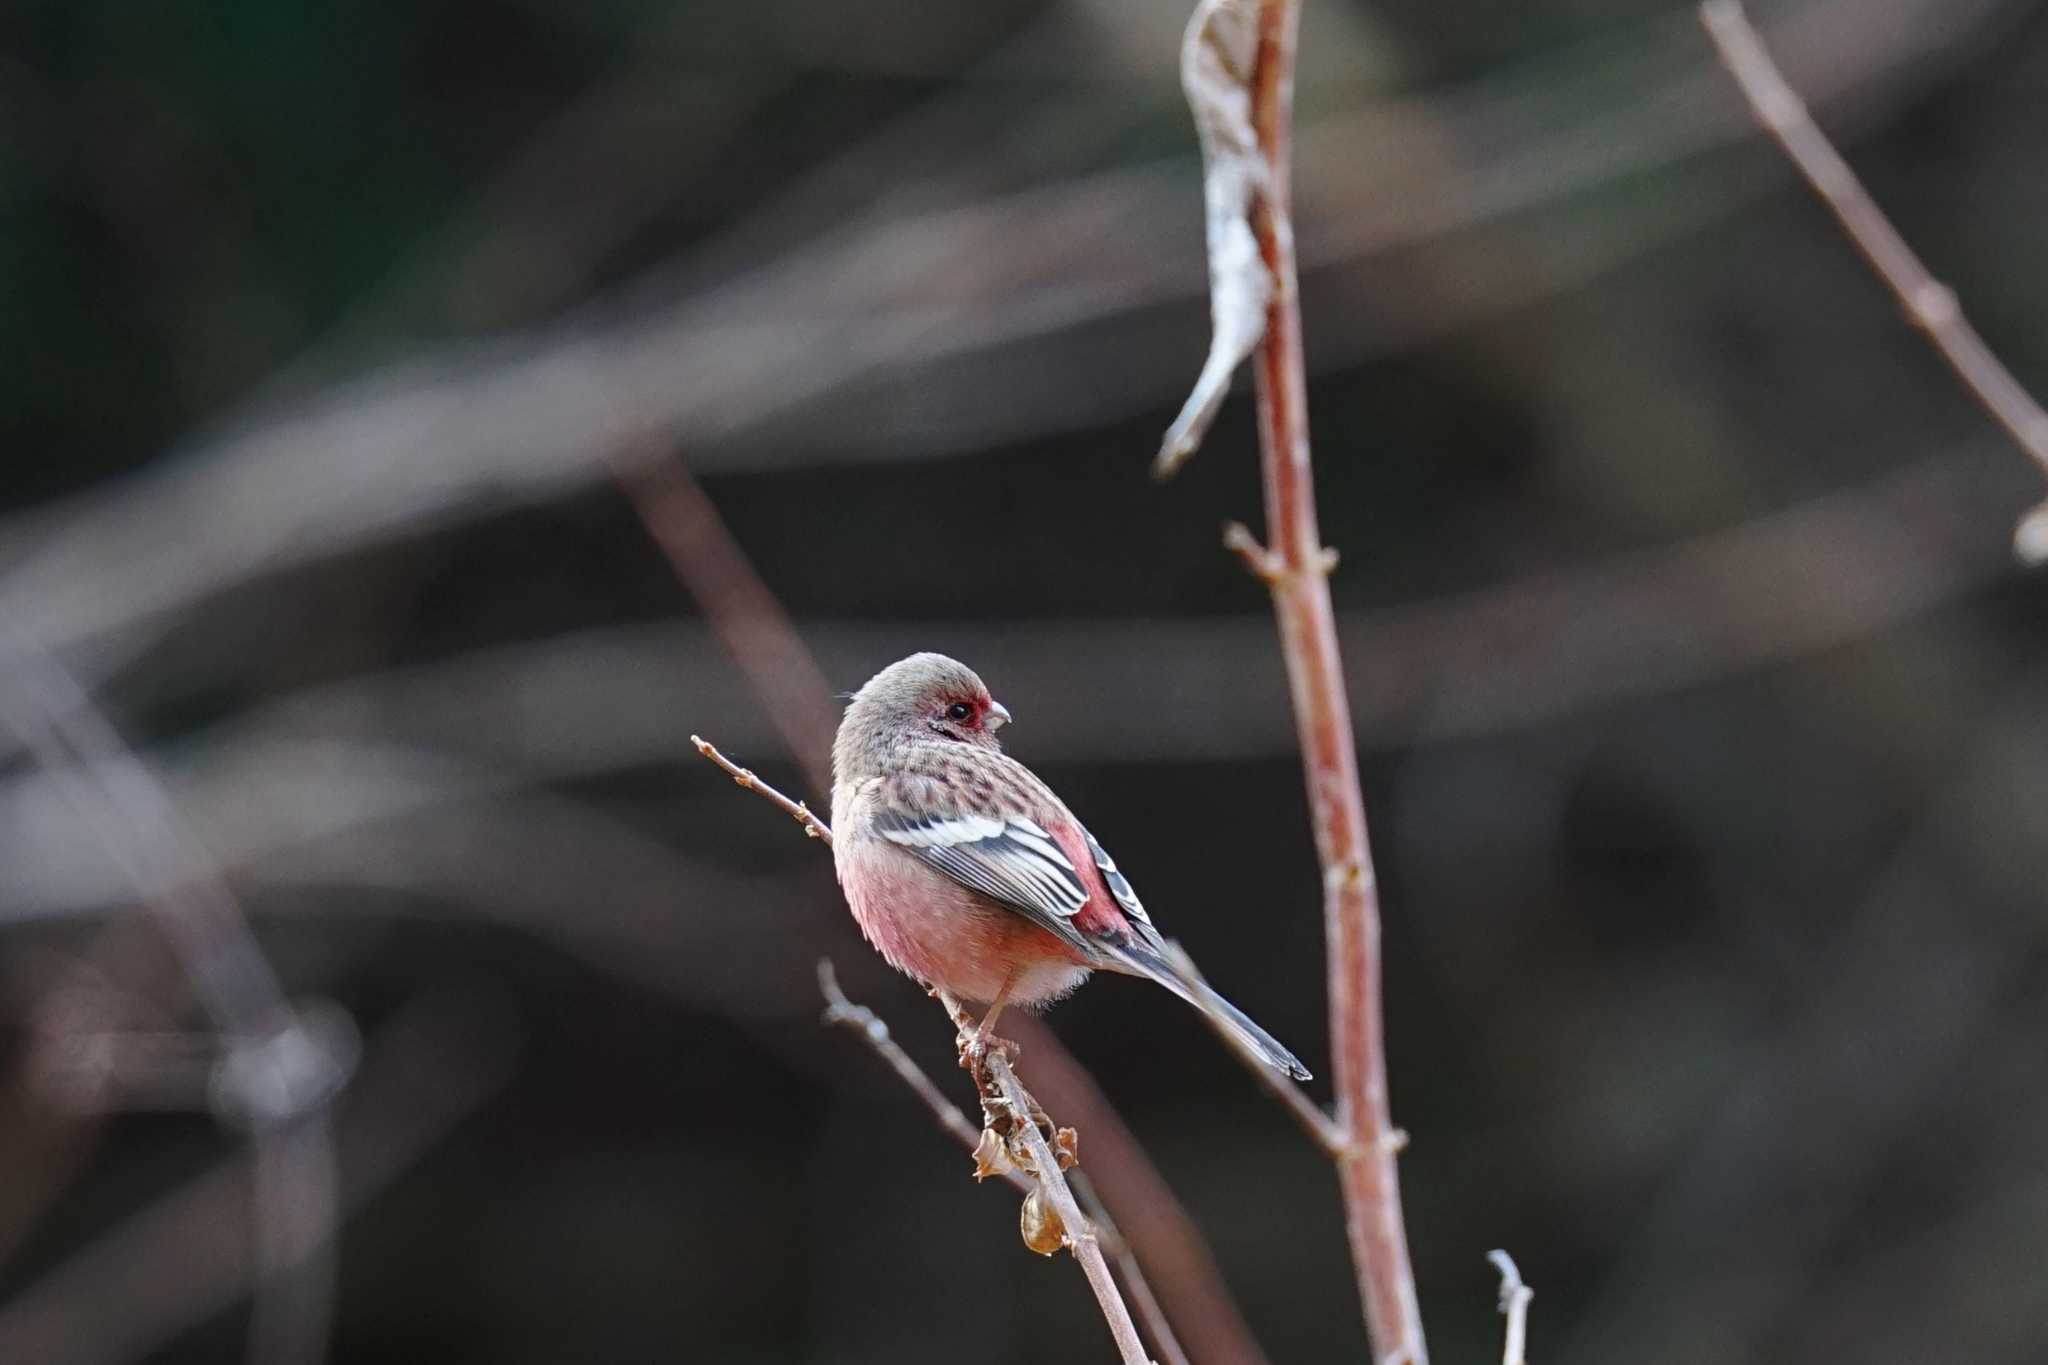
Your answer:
<point x="1295" y="566"/>
<point x="1514" y="1306"/>
<point x="1081" y="1238"/>
<point x="274" y="1077"/>
<point x="1320" y="1127"/>
<point x="1930" y="304"/>
<point x="865" y="1022"/>
<point x="1144" y="1304"/>
<point x="745" y="777"/>
<point x="1161" y="1234"/>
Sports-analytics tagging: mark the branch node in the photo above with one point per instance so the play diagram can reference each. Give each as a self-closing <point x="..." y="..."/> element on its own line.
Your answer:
<point x="1263" y="563"/>
<point x="1395" y="1142"/>
<point x="1932" y="305"/>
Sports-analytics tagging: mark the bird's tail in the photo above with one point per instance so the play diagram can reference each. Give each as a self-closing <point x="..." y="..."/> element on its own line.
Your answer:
<point x="1171" y="967"/>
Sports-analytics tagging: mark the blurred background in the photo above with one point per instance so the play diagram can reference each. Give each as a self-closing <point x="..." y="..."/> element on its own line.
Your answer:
<point x="1703" y="711"/>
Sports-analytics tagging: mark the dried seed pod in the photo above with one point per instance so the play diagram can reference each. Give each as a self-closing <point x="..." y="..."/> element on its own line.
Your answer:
<point x="1043" y="1231"/>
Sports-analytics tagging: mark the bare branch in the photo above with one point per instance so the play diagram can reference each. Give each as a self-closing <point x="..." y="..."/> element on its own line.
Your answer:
<point x="1295" y="566"/>
<point x="795" y="810"/>
<point x="1136" y="1287"/>
<point x="864" y="1021"/>
<point x="1159" y="1229"/>
<point x="1930" y="304"/>
<point x="1320" y="1127"/>
<point x="1514" y="1306"/>
<point x="1081" y="1237"/>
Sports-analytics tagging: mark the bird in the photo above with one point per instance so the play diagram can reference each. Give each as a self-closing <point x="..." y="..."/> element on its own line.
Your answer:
<point x="968" y="874"/>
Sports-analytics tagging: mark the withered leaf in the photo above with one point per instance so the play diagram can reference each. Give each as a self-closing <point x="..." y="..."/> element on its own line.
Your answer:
<point x="1215" y="72"/>
<point x="991" y="1155"/>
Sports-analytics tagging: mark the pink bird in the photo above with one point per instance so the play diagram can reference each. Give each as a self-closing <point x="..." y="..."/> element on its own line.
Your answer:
<point x="969" y="874"/>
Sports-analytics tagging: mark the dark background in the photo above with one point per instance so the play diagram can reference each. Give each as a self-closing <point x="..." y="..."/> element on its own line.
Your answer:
<point x="1701" y="705"/>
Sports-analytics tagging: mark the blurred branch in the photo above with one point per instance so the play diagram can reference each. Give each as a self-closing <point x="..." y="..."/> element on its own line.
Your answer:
<point x="1931" y="305"/>
<point x="1296" y="568"/>
<point x="1001" y="1090"/>
<point x="168" y="1268"/>
<point x="470" y="428"/>
<point x="1514" y="1306"/>
<point x="748" y="620"/>
<point x="274" y="1077"/>
<point x="441" y="736"/>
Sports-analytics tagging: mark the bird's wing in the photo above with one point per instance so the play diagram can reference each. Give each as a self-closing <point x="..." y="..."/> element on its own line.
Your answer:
<point x="1119" y="885"/>
<point x="1009" y="858"/>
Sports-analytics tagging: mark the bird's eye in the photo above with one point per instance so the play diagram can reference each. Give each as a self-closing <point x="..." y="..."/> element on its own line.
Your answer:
<point x="960" y="710"/>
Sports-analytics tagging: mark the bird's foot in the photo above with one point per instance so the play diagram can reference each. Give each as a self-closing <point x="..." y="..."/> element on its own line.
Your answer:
<point x="976" y="1047"/>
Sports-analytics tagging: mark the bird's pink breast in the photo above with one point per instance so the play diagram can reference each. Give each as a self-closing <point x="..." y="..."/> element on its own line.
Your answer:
<point x="946" y="935"/>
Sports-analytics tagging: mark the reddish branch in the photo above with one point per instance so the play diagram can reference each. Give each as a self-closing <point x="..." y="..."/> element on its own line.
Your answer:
<point x="1296" y="566"/>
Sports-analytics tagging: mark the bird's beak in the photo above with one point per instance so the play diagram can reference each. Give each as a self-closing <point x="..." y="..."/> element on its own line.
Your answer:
<point x="998" y="716"/>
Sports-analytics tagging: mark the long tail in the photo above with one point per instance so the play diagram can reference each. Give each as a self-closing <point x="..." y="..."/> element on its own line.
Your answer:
<point x="1173" y="969"/>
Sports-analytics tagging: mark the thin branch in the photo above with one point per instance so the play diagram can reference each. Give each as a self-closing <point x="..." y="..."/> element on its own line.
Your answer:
<point x="1930" y="304"/>
<point x="1137" y="1287"/>
<point x="1514" y="1306"/>
<point x="1320" y="1127"/>
<point x="745" y="777"/>
<point x="1161" y="1233"/>
<point x="1081" y="1237"/>
<point x="865" y="1022"/>
<point x="1295" y="566"/>
<point x="275" y="1078"/>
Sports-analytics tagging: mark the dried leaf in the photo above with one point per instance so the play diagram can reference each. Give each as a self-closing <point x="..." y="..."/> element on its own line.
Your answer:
<point x="1215" y="71"/>
<point x="991" y="1155"/>
<point x="1066" y="1148"/>
<point x="1040" y="1224"/>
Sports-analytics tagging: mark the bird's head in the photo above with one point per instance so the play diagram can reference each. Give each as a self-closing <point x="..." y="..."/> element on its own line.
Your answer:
<point x="923" y="697"/>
